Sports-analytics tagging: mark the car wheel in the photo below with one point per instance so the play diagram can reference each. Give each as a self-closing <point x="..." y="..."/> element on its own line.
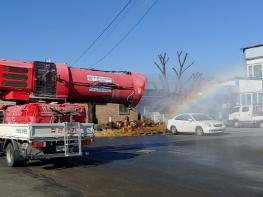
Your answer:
<point x="173" y="130"/>
<point x="236" y="124"/>
<point x="199" y="131"/>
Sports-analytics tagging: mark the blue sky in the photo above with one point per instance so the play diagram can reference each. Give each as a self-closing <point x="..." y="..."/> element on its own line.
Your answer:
<point x="211" y="31"/>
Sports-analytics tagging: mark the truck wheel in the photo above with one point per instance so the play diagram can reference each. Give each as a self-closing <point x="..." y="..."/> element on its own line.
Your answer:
<point x="10" y="155"/>
<point x="173" y="130"/>
<point x="260" y="125"/>
<point x="1" y="149"/>
<point x="236" y="124"/>
<point x="199" y="131"/>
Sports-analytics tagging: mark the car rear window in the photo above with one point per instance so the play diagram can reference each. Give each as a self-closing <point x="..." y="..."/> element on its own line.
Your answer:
<point x="199" y="117"/>
<point x="183" y="117"/>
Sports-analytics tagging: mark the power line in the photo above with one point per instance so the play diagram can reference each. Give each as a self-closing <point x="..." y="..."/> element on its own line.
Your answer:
<point x="127" y="34"/>
<point x="112" y="29"/>
<point x="104" y="30"/>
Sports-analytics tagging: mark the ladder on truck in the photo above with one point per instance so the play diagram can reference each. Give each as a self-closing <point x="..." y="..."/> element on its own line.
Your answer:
<point x="72" y="139"/>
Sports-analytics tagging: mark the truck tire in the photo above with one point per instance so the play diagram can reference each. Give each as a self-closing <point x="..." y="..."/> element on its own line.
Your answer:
<point x="236" y="124"/>
<point x="199" y="131"/>
<point x="1" y="149"/>
<point x="260" y="125"/>
<point x="12" y="157"/>
<point x="173" y="130"/>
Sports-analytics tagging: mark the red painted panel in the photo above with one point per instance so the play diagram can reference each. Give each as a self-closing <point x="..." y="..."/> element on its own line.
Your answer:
<point x="23" y="73"/>
<point x="43" y="113"/>
<point x="63" y="81"/>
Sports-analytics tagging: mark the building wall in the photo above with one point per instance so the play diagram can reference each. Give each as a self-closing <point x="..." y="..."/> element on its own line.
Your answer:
<point x="255" y="68"/>
<point x="254" y="61"/>
<point x="250" y="85"/>
<point x="251" y="91"/>
<point x="255" y="98"/>
<point x="254" y="52"/>
<point x="103" y="113"/>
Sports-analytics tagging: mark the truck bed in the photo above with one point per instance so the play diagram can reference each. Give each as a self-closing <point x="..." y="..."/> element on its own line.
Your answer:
<point x="51" y="131"/>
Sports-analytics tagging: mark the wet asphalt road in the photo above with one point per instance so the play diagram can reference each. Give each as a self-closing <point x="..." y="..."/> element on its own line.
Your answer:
<point x="162" y="165"/>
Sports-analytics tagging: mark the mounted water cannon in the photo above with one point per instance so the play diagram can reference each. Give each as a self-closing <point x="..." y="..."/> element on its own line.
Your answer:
<point x="34" y="81"/>
<point x="105" y="86"/>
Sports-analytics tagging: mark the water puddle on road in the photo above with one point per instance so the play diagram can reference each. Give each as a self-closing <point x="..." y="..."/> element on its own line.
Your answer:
<point x="179" y="152"/>
<point x="145" y="151"/>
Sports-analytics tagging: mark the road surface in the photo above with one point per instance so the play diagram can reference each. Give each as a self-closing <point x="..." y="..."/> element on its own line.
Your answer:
<point x="161" y="165"/>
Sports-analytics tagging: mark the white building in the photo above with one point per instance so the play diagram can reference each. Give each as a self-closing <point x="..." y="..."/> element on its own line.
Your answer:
<point x="254" y="61"/>
<point x="247" y="90"/>
<point x="251" y="91"/>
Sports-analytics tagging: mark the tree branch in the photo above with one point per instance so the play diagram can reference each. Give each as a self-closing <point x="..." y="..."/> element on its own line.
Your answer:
<point x="179" y="57"/>
<point x="158" y="66"/>
<point x="187" y="67"/>
<point x="177" y="74"/>
<point x="185" y="58"/>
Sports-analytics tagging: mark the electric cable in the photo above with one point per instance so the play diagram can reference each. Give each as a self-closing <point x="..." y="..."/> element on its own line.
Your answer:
<point x="113" y="29"/>
<point x="127" y="34"/>
<point x="104" y="30"/>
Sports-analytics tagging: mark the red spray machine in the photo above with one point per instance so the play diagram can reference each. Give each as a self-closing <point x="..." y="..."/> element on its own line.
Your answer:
<point x="33" y="81"/>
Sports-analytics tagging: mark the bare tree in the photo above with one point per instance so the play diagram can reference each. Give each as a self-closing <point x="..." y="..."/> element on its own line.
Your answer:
<point x="196" y="76"/>
<point x="195" y="80"/>
<point x="162" y="68"/>
<point x="181" y="70"/>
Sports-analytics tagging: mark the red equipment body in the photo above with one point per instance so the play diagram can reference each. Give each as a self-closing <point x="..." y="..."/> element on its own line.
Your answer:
<point x="44" y="113"/>
<point x="34" y="81"/>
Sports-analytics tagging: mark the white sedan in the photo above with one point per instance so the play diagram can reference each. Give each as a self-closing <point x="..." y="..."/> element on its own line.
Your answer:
<point x="195" y="123"/>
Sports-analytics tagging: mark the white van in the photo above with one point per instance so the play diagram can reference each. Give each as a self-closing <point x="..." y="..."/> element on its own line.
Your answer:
<point x="246" y="115"/>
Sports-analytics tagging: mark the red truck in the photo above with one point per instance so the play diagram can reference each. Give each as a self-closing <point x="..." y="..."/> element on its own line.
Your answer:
<point x="44" y="123"/>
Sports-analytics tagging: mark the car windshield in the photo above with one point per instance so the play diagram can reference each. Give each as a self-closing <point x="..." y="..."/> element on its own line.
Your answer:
<point x="200" y="117"/>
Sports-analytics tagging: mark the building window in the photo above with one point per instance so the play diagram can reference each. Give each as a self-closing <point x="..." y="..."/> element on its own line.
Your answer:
<point x="238" y="100"/>
<point x="123" y="110"/>
<point x="250" y="73"/>
<point x="260" y="98"/>
<point x="258" y="71"/>
<point x="246" y="99"/>
<point x="243" y="99"/>
<point x="249" y="99"/>
<point x="255" y="100"/>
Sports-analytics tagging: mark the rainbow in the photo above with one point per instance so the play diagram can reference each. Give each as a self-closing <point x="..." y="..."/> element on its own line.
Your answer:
<point x="193" y="97"/>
